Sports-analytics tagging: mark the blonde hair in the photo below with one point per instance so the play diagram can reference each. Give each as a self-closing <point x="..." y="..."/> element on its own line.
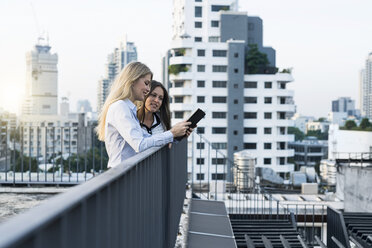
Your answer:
<point x="121" y="89"/>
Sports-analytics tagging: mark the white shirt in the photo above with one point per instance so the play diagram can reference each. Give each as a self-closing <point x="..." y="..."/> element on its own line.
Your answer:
<point x="156" y="127"/>
<point x="124" y="136"/>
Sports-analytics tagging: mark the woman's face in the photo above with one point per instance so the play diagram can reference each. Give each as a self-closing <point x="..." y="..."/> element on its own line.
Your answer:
<point x="155" y="100"/>
<point x="141" y="88"/>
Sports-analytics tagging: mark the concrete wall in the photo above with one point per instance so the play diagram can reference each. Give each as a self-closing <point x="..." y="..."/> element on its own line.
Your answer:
<point x="354" y="186"/>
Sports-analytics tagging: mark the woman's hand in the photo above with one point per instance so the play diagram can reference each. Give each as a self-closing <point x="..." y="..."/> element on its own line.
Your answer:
<point x="189" y="131"/>
<point x="180" y="129"/>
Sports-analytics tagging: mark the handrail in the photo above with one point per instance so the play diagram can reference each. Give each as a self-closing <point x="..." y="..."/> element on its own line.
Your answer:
<point x="136" y="203"/>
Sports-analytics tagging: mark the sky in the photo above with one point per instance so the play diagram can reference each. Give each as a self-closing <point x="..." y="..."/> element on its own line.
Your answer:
<point x="326" y="43"/>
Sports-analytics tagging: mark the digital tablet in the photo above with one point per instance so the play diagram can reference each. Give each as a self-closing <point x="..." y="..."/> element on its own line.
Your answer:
<point x="194" y="119"/>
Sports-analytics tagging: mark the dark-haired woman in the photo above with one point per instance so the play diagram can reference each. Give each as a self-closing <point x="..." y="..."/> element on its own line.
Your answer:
<point x="154" y="113"/>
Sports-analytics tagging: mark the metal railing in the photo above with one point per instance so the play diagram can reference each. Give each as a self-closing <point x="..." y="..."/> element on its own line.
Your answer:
<point x="50" y="154"/>
<point x="244" y="196"/>
<point x="136" y="204"/>
<point x="336" y="231"/>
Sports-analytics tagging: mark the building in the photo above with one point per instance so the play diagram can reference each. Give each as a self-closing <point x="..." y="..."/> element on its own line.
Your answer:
<point x="116" y="61"/>
<point x="45" y="132"/>
<point x="83" y="106"/>
<point x="208" y="69"/>
<point x="309" y="152"/>
<point x="41" y="81"/>
<point x="300" y="121"/>
<point x="365" y="88"/>
<point x="317" y="125"/>
<point x="347" y="143"/>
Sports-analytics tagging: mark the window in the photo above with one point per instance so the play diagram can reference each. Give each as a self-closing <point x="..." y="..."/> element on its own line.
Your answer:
<point x="219" y="130"/>
<point x="250" y="99"/>
<point x="236" y="70"/>
<point x="268" y="85"/>
<point x="250" y="26"/>
<point x="198" y="1"/>
<point x="236" y="55"/>
<point x="267" y="130"/>
<point x="219" y="99"/>
<point x="219" y="84"/>
<point x="267" y="146"/>
<point x="178" y="99"/>
<point x="178" y="114"/>
<point x="235" y="132"/>
<point x="198" y="39"/>
<point x="201" y="68"/>
<point x="198" y="11"/>
<point x="200" y="161"/>
<point x="201" y="52"/>
<point x="216" y="8"/>
<point x="250" y="115"/>
<point x="219" y="53"/>
<point x="46" y="106"/>
<point x="250" y="85"/>
<point x="250" y="130"/>
<point x="214" y="24"/>
<point x="218" y="115"/>
<point x="236" y="101"/>
<point x="178" y="84"/>
<point x="236" y="117"/>
<point x="218" y="161"/>
<point x="250" y="146"/>
<point x="281" y="115"/>
<point x="267" y="100"/>
<point x="200" y="99"/>
<point x="236" y="86"/>
<point x="218" y="176"/>
<point x="282" y="160"/>
<point x="282" y="85"/>
<point x="219" y="68"/>
<point x="199" y="145"/>
<point x="198" y="24"/>
<point x="267" y="115"/>
<point x="199" y="176"/>
<point x="267" y="160"/>
<point x="201" y="83"/>
<point x="213" y="38"/>
<point x="219" y="145"/>
<point x="200" y="130"/>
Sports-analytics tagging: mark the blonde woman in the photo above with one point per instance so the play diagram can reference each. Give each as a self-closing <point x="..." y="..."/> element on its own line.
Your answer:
<point x="118" y="125"/>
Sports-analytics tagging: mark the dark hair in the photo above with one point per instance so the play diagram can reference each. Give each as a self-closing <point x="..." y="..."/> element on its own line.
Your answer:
<point x="164" y="112"/>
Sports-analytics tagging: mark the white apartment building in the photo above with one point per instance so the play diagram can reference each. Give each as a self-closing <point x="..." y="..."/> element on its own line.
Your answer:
<point x="300" y="121"/>
<point x="208" y="71"/>
<point x="41" y="81"/>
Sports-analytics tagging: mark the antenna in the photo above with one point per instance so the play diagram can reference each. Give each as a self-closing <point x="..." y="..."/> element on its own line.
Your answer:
<point x="36" y="22"/>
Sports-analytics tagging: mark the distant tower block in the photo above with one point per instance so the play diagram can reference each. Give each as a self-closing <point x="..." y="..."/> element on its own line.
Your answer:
<point x="41" y="95"/>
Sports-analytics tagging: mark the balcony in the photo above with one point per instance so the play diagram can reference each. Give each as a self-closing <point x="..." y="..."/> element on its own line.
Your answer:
<point x="181" y="92"/>
<point x="181" y="60"/>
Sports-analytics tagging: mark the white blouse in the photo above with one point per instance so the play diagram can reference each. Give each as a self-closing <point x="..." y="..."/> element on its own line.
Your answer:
<point x="124" y="136"/>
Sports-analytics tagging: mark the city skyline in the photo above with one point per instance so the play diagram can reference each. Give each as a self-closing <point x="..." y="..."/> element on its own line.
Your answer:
<point x="326" y="51"/>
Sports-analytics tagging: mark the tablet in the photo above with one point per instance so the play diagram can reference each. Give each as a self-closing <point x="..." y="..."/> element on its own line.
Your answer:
<point x="194" y="119"/>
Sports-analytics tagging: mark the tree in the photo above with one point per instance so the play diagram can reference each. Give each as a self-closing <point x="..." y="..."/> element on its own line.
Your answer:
<point x="350" y="124"/>
<point x="322" y="119"/>
<point x="255" y="59"/>
<point x="364" y="124"/>
<point x="318" y="134"/>
<point x="177" y="68"/>
<point x="299" y="135"/>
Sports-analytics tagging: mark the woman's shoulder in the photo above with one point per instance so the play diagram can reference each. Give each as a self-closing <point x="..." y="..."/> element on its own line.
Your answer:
<point x="118" y="107"/>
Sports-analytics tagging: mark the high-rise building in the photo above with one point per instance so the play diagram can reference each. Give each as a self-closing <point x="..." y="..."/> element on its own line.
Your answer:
<point x="116" y="61"/>
<point x="365" y="89"/>
<point x="41" y="81"/>
<point x="344" y="105"/>
<point x="245" y="109"/>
